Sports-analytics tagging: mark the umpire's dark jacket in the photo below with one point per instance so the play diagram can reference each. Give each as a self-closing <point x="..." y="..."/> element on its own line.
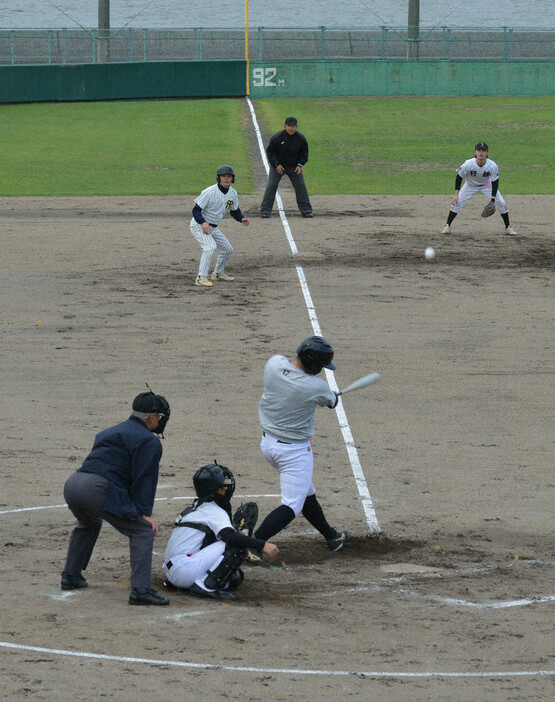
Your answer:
<point x="128" y="456"/>
<point x="289" y="150"/>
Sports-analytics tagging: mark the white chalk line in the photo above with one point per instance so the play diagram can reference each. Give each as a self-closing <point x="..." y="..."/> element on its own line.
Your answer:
<point x="277" y="671"/>
<point x="356" y="467"/>
<point x="157" y="499"/>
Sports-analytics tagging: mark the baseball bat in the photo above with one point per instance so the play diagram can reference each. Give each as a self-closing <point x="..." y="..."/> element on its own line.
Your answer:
<point x="361" y="383"/>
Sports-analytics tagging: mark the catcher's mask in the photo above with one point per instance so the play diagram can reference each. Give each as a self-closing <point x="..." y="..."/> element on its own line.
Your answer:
<point x="225" y="170"/>
<point x="148" y="402"/>
<point x="209" y="478"/>
<point x="316" y="353"/>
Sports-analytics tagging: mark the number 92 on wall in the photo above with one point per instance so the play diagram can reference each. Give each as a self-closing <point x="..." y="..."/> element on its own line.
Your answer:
<point x="265" y="77"/>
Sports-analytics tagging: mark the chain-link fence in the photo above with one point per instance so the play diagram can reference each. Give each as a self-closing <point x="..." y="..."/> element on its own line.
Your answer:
<point x="67" y="46"/>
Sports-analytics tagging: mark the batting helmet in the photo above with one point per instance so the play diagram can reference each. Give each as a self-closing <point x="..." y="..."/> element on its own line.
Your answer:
<point x="148" y="402"/>
<point x="209" y="478"/>
<point x="224" y="170"/>
<point x="316" y="353"/>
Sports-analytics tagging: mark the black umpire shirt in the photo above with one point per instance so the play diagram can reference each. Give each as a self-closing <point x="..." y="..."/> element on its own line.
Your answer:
<point x="289" y="150"/>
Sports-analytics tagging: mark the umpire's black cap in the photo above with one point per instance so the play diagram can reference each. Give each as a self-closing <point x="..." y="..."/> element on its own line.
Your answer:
<point x="481" y="145"/>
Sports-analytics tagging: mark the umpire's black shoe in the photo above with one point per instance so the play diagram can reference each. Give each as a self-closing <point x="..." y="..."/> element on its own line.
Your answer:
<point x="308" y="215"/>
<point x="211" y="594"/>
<point x="338" y="540"/>
<point x="73" y="582"/>
<point x="149" y="598"/>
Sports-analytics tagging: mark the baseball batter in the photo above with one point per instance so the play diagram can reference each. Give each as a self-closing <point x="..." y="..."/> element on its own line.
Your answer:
<point x="292" y="391"/>
<point x="480" y="174"/>
<point x="209" y="210"/>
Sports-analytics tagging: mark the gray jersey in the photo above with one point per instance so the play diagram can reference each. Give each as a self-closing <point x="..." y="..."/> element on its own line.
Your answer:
<point x="286" y="410"/>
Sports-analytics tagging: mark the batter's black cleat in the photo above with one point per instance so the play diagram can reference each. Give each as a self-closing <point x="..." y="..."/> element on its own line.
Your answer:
<point x="149" y="598"/>
<point x="210" y="594"/>
<point x="338" y="540"/>
<point x="73" y="582"/>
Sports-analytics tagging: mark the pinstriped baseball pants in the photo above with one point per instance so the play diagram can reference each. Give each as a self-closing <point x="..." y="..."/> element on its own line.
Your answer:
<point x="215" y="241"/>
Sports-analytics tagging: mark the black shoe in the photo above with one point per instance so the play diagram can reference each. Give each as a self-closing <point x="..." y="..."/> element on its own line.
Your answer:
<point x="149" y="598"/>
<point x="308" y="215"/>
<point x="265" y="216"/>
<point x="211" y="594"/>
<point x="338" y="540"/>
<point x="68" y="582"/>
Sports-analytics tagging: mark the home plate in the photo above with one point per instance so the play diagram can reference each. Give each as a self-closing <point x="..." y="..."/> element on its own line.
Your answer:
<point x="408" y="568"/>
<point x="309" y="255"/>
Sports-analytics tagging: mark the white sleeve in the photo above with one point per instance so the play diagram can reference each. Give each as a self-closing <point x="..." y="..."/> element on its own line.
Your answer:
<point x="463" y="170"/>
<point x="203" y="200"/>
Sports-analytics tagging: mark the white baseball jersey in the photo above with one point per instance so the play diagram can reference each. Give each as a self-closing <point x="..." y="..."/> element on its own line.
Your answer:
<point x="286" y="410"/>
<point x="188" y="540"/>
<point x="214" y="204"/>
<point x="476" y="175"/>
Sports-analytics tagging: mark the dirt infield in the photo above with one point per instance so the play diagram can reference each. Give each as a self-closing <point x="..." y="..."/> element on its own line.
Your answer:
<point x="455" y="442"/>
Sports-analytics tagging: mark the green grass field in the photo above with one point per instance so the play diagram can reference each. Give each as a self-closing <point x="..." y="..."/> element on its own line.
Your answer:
<point x="357" y="145"/>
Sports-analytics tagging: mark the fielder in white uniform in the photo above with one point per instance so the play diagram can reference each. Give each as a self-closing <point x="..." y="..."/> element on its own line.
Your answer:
<point x="210" y="208"/>
<point x="480" y="174"/>
<point x="205" y="551"/>
<point x="292" y="391"/>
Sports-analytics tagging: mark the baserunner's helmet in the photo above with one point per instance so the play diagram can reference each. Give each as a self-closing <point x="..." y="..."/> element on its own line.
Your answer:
<point x="223" y="170"/>
<point x="316" y="353"/>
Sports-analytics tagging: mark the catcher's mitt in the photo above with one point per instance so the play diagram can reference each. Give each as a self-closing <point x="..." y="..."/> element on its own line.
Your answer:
<point x="489" y="209"/>
<point x="244" y="519"/>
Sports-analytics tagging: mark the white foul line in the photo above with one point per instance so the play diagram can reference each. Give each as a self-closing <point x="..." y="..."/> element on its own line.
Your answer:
<point x="287" y="671"/>
<point x="356" y="467"/>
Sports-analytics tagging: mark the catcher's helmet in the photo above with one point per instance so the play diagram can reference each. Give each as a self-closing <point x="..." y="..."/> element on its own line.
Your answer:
<point x="209" y="478"/>
<point x="316" y="353"/>
<point x="148" y="402"/>
<point x="223" y="170"/>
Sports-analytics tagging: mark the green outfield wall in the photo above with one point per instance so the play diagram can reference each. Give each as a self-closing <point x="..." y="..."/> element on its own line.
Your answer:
<point x="205" y="79"/>
<point x="121" y="81"/>
<point x="387" y="78"/>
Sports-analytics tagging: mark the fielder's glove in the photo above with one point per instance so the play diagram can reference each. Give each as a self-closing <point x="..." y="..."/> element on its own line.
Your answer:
<point x="489" y="209"/>
<point x="244" y="519"/>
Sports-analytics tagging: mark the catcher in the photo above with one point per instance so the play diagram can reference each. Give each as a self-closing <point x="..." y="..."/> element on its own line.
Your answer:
<point x="207" y="546"/>
<point x="480" y="174"/>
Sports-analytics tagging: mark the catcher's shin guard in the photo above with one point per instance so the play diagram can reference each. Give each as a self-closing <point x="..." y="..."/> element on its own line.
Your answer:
<point x="223" y="573"/>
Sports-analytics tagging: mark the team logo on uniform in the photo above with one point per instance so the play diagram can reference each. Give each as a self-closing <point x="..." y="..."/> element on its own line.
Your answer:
<point x="228" y="204"/>
<point x="486" y="174"/>
<point x="309" y="449"/>
<point x="473" y="173"/>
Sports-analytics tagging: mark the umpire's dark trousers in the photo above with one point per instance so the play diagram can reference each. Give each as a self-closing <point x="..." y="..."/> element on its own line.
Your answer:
<point x="85" y="494"/>
<point x="297" y="181"/>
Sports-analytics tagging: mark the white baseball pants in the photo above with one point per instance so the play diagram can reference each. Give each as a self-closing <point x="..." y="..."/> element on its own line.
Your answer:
<point x="216" y="240"/>
<point x="295" y="466"/>
<point x="187" y="570"/>
<point x="467" y="191"/>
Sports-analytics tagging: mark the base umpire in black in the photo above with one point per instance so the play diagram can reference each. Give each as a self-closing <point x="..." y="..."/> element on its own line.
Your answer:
<point x="287" y="153"/>
<point x="117" y="483"/>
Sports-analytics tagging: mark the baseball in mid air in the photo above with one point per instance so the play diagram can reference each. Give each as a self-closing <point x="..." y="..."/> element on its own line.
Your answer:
<point x="429" y="253"/>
